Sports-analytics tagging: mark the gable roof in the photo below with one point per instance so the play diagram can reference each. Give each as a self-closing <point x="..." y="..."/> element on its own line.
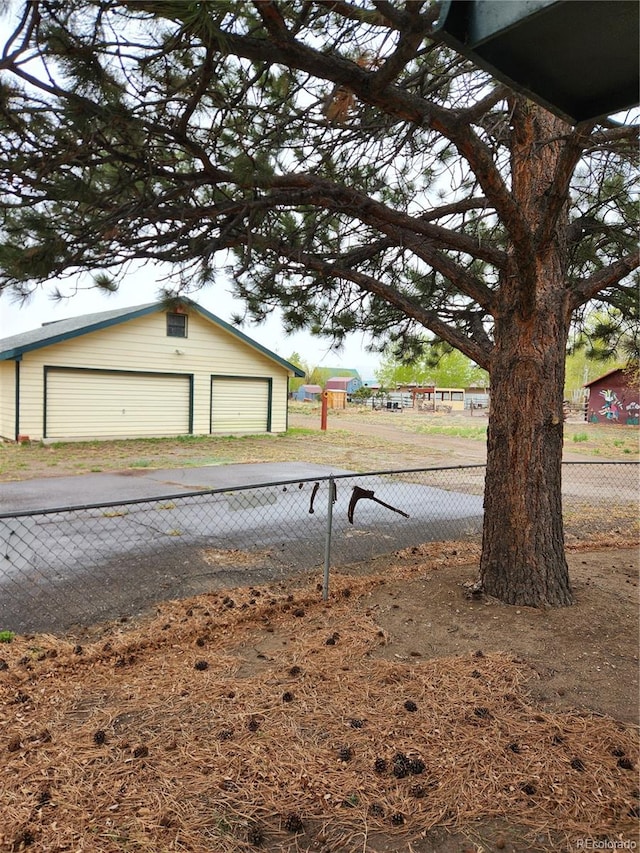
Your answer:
<point x="15" y="346"/>
<point x="341" y="372"/>
<point x="604" y="376"/>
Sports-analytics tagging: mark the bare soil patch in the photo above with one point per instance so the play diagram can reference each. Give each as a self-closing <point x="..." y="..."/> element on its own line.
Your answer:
<point x="401" y="430"/>
<point x="357" y="439"/>
<point x="224" y="556"/>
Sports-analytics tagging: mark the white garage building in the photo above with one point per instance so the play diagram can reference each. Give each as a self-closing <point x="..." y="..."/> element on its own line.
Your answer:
<point x="151" y="370"/>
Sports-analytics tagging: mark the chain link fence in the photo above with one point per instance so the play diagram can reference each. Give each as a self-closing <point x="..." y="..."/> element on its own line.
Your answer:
<point x="72" y="566"/>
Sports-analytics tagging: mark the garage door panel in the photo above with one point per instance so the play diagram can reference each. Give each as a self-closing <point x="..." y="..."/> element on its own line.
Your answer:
<point x="91" y="403"/>
<point x="240" y="405"/>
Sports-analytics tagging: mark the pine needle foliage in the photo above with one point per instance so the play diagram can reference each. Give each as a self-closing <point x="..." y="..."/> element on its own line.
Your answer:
<point x="337" y="162"/>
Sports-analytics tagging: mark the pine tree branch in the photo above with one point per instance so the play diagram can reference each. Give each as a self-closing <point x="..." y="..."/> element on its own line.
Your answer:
<point x="193" y="102"/>
<point x="462" y="206"/>
<point x="480" y="159"/>
<point x="484" y="105"/>
<point x="453" y="272"/>
<point x="607" y="136"/>
<point x="406" y="51"/>
<point x="366" y="209"/>
<point x="429" y="319"/>
<point x="394" y="17"/>
<point x="273" y="21"/>
<point x="426" y="251"/>
<point x="416" y="28"/>
<point x="588" y="288"/>
<point x="364" y="253"/>
<point x="399" y="17"/>
<point x="30" y="14"/>
<point x="399" y="235"/>
<point x="558" y="191"/>
<point x="393" y="100"/>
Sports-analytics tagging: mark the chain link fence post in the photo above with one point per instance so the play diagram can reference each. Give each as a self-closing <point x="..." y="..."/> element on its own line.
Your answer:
<point x="327" y="543"/>
<point x="71" y="566"/>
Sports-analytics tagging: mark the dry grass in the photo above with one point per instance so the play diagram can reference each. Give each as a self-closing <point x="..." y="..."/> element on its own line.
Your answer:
<point x="179" y="735"/>
<point x="357" y="439"/>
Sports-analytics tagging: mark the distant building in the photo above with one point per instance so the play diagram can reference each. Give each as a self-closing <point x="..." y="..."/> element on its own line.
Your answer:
<point x="611" y="399"/>
<point x="428" y="398"/>
<point x="476" y="397"/>
<point x="394" y="401"/>
<point x="336" y="399"/>
<point x="348" y="384"/>
<point x="307" y="393"/>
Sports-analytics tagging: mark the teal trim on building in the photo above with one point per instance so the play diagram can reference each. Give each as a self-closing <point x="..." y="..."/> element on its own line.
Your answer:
<point x="17" y="399"/>
<point x="64" y="330"/>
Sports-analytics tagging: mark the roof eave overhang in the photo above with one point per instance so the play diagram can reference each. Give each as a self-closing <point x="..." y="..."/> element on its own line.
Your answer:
<point x="18" y="352"/>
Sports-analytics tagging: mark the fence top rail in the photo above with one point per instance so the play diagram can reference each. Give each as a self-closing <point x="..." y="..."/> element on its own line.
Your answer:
<point x="226" y="490"/>
<point x="252" y="486"/>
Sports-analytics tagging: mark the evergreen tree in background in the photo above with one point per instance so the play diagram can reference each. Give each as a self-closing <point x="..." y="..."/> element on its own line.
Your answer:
<point x="338" y="163"/>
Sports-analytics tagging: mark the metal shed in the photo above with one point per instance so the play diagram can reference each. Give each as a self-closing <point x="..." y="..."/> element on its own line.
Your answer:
<point x="308" y="393"/>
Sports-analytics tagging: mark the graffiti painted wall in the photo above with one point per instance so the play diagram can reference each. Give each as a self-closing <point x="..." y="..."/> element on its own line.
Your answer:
<point x="613" y="401"/>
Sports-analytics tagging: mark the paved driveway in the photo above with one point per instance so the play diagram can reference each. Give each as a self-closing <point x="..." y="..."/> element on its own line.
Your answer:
<point x="118" y="543"/>
<point x="136" y="483"/>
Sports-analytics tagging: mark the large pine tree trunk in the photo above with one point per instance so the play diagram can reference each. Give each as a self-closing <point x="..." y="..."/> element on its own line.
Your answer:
<point x="523" y="560"/>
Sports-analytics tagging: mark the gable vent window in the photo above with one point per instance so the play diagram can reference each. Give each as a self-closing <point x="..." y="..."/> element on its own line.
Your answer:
<point x="176" y="325"/>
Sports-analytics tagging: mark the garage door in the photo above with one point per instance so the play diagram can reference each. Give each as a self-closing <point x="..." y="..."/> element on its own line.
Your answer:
<point x="240" y="404"/>
<point x="88" y="403"/>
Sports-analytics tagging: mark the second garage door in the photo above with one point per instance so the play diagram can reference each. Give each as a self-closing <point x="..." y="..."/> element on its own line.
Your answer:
<point x="96" y="403"/>
<point x="240" y="404"/>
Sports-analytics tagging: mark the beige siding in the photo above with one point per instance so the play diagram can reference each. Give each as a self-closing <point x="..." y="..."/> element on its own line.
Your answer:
<point x="239" y="405"/>
<point x="89" y="404"/>
<point x="7" y="399"/>
<point x="142" y="345"/>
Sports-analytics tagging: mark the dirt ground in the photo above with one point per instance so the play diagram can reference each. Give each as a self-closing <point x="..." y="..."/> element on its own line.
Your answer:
<point x="214" y="723"/>
<point x="583" y="657"/>
<point x="359" y="440"/>
<point x="397" y="430"/>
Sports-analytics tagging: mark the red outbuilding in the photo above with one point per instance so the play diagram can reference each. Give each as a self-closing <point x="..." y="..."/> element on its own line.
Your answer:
<point x="612" y="399"/>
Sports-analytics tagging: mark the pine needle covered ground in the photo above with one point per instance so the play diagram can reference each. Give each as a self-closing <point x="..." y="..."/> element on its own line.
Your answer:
<point x="264" y="718"/>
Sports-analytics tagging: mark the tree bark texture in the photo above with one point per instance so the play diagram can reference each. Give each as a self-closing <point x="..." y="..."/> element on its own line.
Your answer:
<point x="523" y="560"/>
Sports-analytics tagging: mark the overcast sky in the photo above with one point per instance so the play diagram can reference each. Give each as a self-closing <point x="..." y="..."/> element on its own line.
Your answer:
<point x="141" y="287"/>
